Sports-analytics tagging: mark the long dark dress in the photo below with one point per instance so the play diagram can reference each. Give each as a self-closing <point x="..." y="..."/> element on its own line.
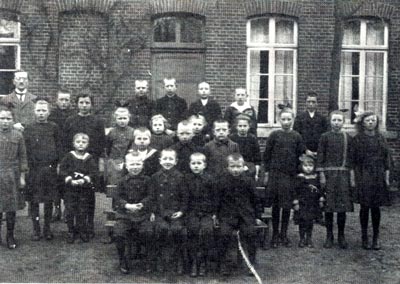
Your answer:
<point x="13" y="161"/>
<point x="281" y="160"/>
<point x="371" y="160"/>
<point x="43" y="144"/>
<point x="308" y="193"/>
<point x="335" y="160"/>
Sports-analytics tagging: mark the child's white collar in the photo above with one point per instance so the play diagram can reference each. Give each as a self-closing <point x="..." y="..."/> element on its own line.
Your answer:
<point x="241" y="108"/>
<point x="80" y="157"/>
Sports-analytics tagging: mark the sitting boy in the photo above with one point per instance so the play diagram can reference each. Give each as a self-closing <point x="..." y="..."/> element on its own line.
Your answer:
<point x="133" y="203"/>
<point x="237" y="209"/>
<point x="171" y="198"/>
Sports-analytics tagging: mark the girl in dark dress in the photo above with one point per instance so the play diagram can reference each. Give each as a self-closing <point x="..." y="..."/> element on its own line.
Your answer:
<point x="372" y="170"/>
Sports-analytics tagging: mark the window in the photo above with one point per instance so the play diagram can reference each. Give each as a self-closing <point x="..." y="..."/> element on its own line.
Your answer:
<point x="271" y="66"/>
<point x="363" y="74"/>
<point x="9" y="54"/>
<point x="184" y="30"/>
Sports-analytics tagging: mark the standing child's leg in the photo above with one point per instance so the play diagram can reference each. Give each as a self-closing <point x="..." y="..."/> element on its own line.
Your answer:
<point x="341" y="222"/>
<point x="193" y="228"/>
<point x="10" y="219"/>
<point x="71" y="205"/>
<point x="364" y="216"/>
<point x="302" y="233"/>
<point x="329" y="230"/>
<point x="90" y="215"/>
<point x="275" y="226"/>
<point x="309" y="229"/>
<point x="376" y="220"/>
<point x="35" y="221"/>
<point x="284" y="226"/>
<point x="225" y="239"/>
<point x="179" y="244"/>
<point x="48" y="210"/>
<point x="206" y="242"/>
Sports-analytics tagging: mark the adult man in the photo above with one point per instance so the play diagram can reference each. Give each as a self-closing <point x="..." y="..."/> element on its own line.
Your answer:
<point x="206" y="106"/>
<point x="171" y="106"/>
<point x="311" y="124"/>
<point x="21" y="101"/>
<point x="140" y="106"/>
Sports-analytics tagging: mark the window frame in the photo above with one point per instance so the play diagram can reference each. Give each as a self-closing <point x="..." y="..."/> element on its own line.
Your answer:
<point x="15" y="41"/>
<point x="271" y="47"/>
<point x="363" y="49"/>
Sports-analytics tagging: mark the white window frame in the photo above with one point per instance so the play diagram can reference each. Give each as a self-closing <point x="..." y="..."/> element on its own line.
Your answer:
<point x="272" y="47"/>
<point x="13" y="42"/>
<point x="363" y="49"/>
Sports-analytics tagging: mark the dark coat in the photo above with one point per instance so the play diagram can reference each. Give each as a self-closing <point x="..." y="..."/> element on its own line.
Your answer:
<point x="141" y="109"/>
<point x="170" y="193"/>
<point x="308" y="193"/>
<point x="249" y="147"/>
<point x="211" y="112"/>
<point x="134" y="189"/>
<point x="24" y="112"/>
<point x="203" y="195"/>
<point x="184" y="150"/>
<point x="59" y="116"/>
<point x="310" y="129"/>
<point x="43" y="146"/>
<point x="174" y="109"/>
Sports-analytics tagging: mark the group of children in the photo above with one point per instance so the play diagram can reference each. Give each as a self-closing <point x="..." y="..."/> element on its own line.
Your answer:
<point x="186" y="185"/>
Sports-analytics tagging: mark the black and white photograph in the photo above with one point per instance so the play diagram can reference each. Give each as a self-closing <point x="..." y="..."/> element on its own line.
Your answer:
<point x="200" y="141"/>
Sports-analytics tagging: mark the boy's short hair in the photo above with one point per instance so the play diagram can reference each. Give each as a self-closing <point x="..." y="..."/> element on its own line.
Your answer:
<point x="142" y="130"/>
<point x="286" y="110"/>
<point x="7" y="108"/>
<point x="82" y="135"/>
<point x="141" y="81"/>
<point x="63" y="91"/>
<point x="170" y="150"/>
<point x="83" y="95"/>
<point x="240" y="89"/>
<point x="312" y="94"/>
<point x="158" y="117"/>
<point x="134" y="155"/>
<point x="198" y="116"/>
<point x="244" y="117"/>
<point x="203" y="83"/>
<point x="199" y="156"/>
<point x="42" y="102"/>
<point x="119" y="110"/>
<point x="220" y="121"/>
<point x="235" y="157"/>
<point x="169" y="79"/>
<point x="339" y="112"/>
<point x="184" y="123"/>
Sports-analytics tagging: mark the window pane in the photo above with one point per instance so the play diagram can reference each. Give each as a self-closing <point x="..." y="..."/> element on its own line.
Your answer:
<point x="284" y="31"/>
<point x="375" y="106"/>
<point x="259" y="30"/>
<point x="165" y="29"/>
<point x="375" y="33"/>
<point x="259" y="61"/>
<point x="351" y="33"/>
<point x="374" y="64"/>
<point x="284" y="62"/>
<point x="8" y="29"/>
<point x="191" y="30"/>
<point x="349" y="91"/>
<point x="283" y="92"/>
<point x="6" y="82"/>
<point x="8" y="55"/>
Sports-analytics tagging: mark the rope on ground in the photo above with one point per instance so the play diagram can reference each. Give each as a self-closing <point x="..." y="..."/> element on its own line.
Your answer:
<point x="247" y="261"/>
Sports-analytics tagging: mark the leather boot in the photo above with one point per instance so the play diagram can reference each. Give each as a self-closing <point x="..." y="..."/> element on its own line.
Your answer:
<point x="193" y="270"/>
<point x="364" y="239"/>
<point x="36" y="230"/>
<point x="329" y="240"/>
<point x="375" y="242"/>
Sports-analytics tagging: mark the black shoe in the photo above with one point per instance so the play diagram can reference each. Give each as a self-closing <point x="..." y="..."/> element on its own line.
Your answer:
<point x="179" y="268"/>
<point x="84" y="237"/>
<point x="202" y="269"/>
<point x="193" y="270"/>
<point x="91" y="234"/>
<point x="225" y="271"/>
<point x="309" y="243"/>
<point x="35" y="237"/>
<point x="328" y="242"/>
<point x="302" y="243"/>
<point x="11" y="243"/>
<point x="375" y="244"/>
<point x="275" y="241"/>
<point x="70" y="237"/>
<point x="286" y="242"/>
<point x="123" y="266"/>
<point x="48" y="235"/>
<point x="342" y="242"/>
<point x="364" y="242"/>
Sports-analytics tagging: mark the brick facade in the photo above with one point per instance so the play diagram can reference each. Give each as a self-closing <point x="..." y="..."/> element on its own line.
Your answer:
<point x="54" y="45"/>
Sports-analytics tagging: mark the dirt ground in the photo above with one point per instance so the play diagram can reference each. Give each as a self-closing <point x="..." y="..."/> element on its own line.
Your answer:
<point x="57" y="261"/>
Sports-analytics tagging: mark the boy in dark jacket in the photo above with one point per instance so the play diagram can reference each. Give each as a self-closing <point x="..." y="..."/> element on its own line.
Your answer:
<point x="171" y="198"/>
<point x="237" y="209"/>
<point x="202" y="210"/>
<point x="133" y="203"/>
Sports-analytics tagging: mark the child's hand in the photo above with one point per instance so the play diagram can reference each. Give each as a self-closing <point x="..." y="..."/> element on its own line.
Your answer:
<point x="246" y="168"/>
<point x="177" y="215"/>
<point x="170" y="132"/>
<point x="18" y="126"/>
<point x="256" y="177"/>
<point x="138" y="206"/>
<point x="215" y="221"/>
<point x="22" y="181"/>
<point x="296" y="206"/>
<point x="322" y="179"/>
<point x="131" y="207"/>
<point x="321" y="202"/>
<point x="259" y="222"/>
<point x="152" y="217"/>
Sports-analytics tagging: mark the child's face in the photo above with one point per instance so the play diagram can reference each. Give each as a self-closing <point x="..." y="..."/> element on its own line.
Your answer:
<point x="286" y="120"/>
<point x="370" y="122"/>
<point x="142" y="141"/>
<point x="198" y="125"/>
<point x="134" y="165"/>
<point x="63" y="101"/>
<point x="122" y="119"/>
<point x="307" y="167"/>
<point x="240" y="97"/>
<point x="185" y="134"/>
<point x="311" y="104"/>
<point x="84" y="105"/>
<point x="141" y="88"/>
<point x="204" y="90"/>
<point x="170" y="86"/>
<point x="221" y="131"/>
<point x="81" y="143"/>
<point x="197" y="165"/>
<point x="242" y="127"/>
<point x="337" y="121"/>
<point x="235" y="168"/>
<point x="168" y="160"/>
<point x="42" y="112"/>
<point x="6" y="120"/>
<point x="158" y="126"/>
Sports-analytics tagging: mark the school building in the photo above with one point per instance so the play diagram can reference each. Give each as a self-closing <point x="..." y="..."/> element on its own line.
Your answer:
<point x="279" y="50"/>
